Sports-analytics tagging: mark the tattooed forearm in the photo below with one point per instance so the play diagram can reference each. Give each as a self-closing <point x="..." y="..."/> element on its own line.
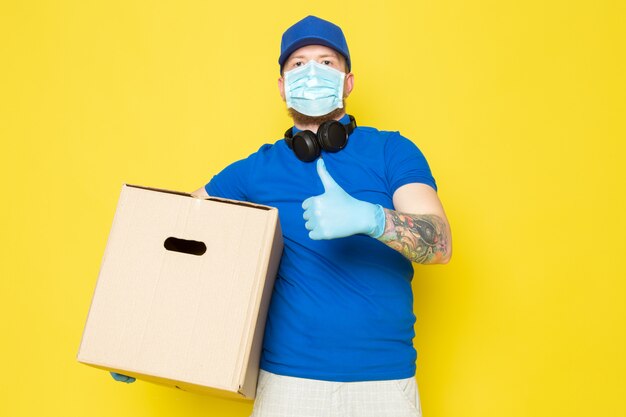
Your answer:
<point x="421" y="238"/>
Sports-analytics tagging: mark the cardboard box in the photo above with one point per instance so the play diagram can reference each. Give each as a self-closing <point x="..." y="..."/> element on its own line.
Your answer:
<point x="183" y="291"/>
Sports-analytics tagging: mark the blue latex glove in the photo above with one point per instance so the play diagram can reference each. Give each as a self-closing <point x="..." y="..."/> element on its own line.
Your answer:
<point x="122" y="378"/>
<point x="337" y="214"/>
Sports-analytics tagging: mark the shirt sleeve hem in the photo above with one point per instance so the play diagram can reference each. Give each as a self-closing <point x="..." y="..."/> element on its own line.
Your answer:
<point x="410" y="180"/>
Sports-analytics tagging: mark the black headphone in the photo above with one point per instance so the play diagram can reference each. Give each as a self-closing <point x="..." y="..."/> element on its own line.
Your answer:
<point x="332" y="136"/>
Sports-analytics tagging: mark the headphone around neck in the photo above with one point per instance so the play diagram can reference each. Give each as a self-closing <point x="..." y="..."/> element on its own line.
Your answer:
<point x="332" y="136"/>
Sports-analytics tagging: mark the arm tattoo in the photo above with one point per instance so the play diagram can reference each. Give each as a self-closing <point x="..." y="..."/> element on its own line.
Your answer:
<point x="421" y="238"/>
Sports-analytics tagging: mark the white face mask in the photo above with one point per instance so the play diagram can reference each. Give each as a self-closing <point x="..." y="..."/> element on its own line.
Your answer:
<point x="314" y="89"/>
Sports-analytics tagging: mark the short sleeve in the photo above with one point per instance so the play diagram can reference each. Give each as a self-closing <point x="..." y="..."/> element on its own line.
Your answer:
<point x="232" y="181"/>
<point x="405" y="164"/>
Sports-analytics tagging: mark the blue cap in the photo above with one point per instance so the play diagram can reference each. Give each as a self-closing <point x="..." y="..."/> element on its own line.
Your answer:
<point x="313" y="31"/>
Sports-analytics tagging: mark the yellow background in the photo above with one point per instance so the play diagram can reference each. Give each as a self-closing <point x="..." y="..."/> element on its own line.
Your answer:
<point x="518" y="105"/>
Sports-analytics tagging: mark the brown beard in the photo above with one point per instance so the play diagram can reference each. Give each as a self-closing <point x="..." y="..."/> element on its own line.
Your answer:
<point x="304" y="120"/>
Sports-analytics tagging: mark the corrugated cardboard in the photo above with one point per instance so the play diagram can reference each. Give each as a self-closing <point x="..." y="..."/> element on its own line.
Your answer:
<point x="191" y="321"/>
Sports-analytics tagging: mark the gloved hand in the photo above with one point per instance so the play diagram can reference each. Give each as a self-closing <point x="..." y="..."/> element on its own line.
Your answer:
<point x="122" y="378"/>
<point x="337" y="214"/>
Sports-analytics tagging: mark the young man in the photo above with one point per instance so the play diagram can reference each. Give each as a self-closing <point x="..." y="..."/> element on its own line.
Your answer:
<point x="356" y="206"/>
<point x="340" y="327"/>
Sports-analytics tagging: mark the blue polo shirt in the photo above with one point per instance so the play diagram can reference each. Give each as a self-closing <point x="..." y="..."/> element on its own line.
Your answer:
<point x="341" y="309"/>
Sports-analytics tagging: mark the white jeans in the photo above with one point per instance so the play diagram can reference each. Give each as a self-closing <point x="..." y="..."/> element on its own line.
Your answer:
<point x="285" y="396"/>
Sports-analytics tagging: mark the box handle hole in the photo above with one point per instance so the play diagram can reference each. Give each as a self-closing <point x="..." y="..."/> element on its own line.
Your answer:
<point x="191" y="247"/>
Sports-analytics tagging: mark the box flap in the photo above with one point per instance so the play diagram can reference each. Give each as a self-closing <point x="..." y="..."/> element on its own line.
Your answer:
<point x="223" y="200"/>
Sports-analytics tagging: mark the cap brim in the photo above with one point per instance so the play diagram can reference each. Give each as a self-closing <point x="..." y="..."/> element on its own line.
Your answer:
<point x="306" y="41"/>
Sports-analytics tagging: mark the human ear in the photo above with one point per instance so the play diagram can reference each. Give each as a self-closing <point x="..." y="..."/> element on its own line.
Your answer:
<point x="281" y="87"/>
<point x="348" y="84"/>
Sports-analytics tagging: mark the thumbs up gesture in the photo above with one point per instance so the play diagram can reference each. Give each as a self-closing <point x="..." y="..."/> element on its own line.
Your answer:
<point x="337" y="214"/>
